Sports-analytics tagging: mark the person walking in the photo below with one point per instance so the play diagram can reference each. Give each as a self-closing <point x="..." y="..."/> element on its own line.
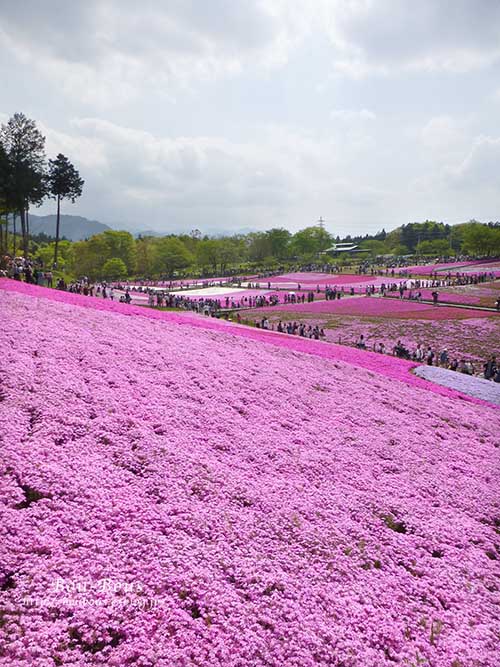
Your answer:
<point x="490" y="368"/>
<point x="443" y="359"/>
<point x="361" y="343"/>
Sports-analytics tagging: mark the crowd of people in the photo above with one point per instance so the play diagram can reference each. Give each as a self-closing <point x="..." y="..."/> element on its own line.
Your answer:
<point x="165" y="299"/>
<point x="421" y="354"/>
<point x="19" y="268"/>
<point x="292" y="328"/>
<point x="214" y="307"/>
<point x="205" y="306"/>
<point x="160" y="299"/>
<point x="85" y="287"/>
<point x="25" y="269"/>
<point x="406" y="289"/>
<point x="143" y="285"/>
<point x="428" y="355"/>
<point x="304" y="268"/>
<point x="402" y="265"/>
<point x="411" y="289"/>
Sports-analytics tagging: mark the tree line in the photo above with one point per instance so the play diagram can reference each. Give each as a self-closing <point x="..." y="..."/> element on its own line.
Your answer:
<point x="436" y="239"/>
<point x="114" y="255"/>
<point x="27" y="179"/>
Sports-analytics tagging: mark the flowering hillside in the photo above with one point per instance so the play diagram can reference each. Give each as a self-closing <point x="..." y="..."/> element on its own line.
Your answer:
<point x="482" y="294"/>
<point x="303" y="277"/>
<point x="177" y="495"/>
<point x="471" y="266"/>
<point x="312" y="280"/>
<point x="390" y="367"/>
<point x="449" y="295"/>
<point x="474" y="339"/>
<point x="233" y="294"/>
<point x="465" y="333"/>
<point x="380" y="307"/>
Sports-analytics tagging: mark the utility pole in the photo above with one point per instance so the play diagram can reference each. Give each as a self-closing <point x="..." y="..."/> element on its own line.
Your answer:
<point x="321" y="222"/>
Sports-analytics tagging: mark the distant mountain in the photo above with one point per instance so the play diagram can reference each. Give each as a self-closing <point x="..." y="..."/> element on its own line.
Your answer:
<point x="73" y="227"/>
<point x="77" y="228"/>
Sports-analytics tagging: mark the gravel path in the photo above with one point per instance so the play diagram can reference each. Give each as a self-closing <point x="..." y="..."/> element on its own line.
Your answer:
<point x="472" y="386"/>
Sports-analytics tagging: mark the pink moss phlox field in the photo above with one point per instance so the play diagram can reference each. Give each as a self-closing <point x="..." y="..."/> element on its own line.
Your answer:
<point x="384" y="307"/>
<point x="474" y="339"/>
<point x="482" y="294"/>
<point x="391" y="367"/>
<point x="313" y="280"/>
<point x="360" y="282"/>
<point x="471" y="266"/>
<point x="224" y="502"/>
<point x="444" y="296"/>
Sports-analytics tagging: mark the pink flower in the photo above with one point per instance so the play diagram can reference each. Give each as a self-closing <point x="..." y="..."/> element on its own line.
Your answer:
<point x="182" y="491"/>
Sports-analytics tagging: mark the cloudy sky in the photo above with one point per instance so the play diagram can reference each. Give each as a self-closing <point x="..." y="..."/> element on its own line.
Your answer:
<point x="230" y="114"/>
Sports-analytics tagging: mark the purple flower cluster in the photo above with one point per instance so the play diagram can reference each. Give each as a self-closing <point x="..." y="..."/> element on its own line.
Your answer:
<point x="178" y="495"/>
<point x="470" y="266"/>
<point x="396" y="369"/>
<point x="472" y="338"/>
<point x="446" y="295"/>
<point x="383" y="307"/>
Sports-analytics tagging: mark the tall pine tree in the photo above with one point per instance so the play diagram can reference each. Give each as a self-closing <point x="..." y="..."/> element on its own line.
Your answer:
<point x="64" y="182"/>
<point x="24" y="146"/>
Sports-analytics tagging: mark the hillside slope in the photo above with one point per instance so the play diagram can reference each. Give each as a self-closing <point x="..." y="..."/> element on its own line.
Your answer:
<point x="73" y="227"/>
<point x="180" y="496"/>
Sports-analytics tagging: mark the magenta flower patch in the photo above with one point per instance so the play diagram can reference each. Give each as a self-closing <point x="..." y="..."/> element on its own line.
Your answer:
<point x="175" y="492"/>
<point x="383" y="307"/>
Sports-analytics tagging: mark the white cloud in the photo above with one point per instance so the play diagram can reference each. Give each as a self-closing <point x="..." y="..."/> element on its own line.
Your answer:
<point x="349" y="115"/>
<point x="384" y="36"/>
<point x="185" y="110"/>
<point x="151" y="173"/>
<point x="105" y="53"/>
<point x="188" y="170"/>
<point x="86" y="153"/>
<point x="465" y="187"/>
<point x="442" y="135"/>
<point x="131" y="174"/>
<point x="479" y="169"/>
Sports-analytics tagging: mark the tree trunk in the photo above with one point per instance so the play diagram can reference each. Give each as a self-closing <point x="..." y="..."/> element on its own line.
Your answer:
<point x="27" y="239"/>
<point x="5" y="241"/>
<point x="14" y="216"/>
<point x="57" y="230"/>
<point x="22" y="213"/>
<point x="2" y="248"/>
